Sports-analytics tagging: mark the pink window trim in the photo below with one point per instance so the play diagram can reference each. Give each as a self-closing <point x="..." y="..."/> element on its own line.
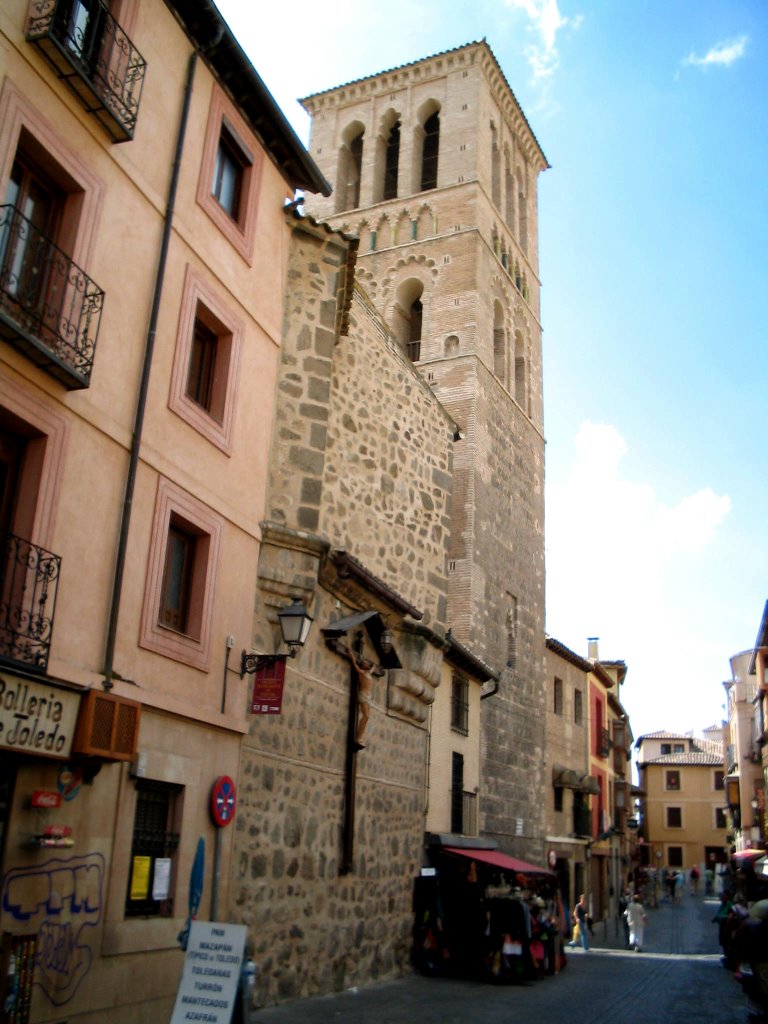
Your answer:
<point x="17" y="114"/>
<point x="241" y="234"/>
<point x="55" y="429"/>
<point x="193" y="651"/>
<point x="197" y="290"/>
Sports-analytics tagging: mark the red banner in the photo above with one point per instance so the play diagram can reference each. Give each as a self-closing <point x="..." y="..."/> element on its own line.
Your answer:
<point x="268" y="688"/>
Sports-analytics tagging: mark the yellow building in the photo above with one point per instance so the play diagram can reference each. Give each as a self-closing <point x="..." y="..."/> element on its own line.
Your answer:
<point x="682" y="801"/>
<point x="142" y="273"/>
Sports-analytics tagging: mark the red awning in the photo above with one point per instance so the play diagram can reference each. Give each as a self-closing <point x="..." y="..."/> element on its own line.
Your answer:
<point x="748" y="854"/>
<point x="499" y="860"/>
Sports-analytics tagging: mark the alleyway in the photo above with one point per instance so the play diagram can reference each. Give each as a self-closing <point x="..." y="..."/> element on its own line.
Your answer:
<point x="677" y="979"/>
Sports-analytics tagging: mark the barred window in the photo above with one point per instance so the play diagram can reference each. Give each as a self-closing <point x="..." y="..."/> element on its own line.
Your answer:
<point x="154" y="847"/>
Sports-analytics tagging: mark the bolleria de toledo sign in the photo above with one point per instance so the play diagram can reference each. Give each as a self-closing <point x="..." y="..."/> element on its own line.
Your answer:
<point x="36" y="718"/>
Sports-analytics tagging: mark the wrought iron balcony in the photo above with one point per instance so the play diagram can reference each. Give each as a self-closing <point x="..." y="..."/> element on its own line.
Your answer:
<point x="29" y="577"/>
<point x="49" y="308"/>
<point x="94" y="57"/>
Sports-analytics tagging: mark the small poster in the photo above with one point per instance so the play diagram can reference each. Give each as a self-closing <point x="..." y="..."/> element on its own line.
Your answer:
<point x="161" y="880"/>
<point x="268" y="688"/>
<point x="140" y="872"/>
<point x="209" y="981"/>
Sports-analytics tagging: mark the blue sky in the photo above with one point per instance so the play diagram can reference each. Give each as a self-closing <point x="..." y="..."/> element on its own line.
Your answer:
<point x="653" y="236"/>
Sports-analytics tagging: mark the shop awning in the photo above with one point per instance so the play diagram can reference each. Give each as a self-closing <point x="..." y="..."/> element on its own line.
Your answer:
<point x="499" y="860"/>
<point x="748" y="855"/>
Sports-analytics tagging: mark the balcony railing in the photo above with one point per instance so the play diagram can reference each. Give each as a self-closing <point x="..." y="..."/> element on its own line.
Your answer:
<point x="49" y="308"/>
<point x="95" y="58"/>
<point x="29" y="578"/>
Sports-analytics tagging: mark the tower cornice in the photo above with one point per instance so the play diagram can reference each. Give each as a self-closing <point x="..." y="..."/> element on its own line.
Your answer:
<point x="435" y="67"/>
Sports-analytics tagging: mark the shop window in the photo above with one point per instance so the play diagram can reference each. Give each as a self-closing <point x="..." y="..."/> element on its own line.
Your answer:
<point x="204" y="378"/>
<point x="228" y="184"/>
<point x="156" y="827"/>
<point x="460" y="704"/>
<point x="558" y="696"/>
<point x="178" y="601"/>
<point x="672" y="780"/>
<point x="674" y="817"/>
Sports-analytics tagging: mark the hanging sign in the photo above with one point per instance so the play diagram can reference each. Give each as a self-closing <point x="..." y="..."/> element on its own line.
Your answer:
<point x="223" y="800"/>
<point x="209" y="981"/>
<point x="268" y="688"/>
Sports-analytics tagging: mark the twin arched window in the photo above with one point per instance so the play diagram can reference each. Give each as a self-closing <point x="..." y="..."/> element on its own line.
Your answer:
<point x="388" y="183"/>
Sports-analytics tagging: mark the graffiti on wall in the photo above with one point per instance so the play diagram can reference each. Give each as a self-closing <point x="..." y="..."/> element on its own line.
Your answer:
<point x="61" y="902"/>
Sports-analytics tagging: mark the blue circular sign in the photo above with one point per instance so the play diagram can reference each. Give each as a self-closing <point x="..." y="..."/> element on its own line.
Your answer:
<point x="223" y="800"/>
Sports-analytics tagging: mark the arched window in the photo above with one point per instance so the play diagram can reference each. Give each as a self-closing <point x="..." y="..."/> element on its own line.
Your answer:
<point x="499" y="343"/>
<point x="350" y="168"/>
<point x="430" y="152"/>
<point x="522" y="230"/>
<point x="408" y="317"/>
<point x="509" y="195"/>
<point x="391" y="161"/>
<point x="495" y="168"/>
<point x="520" y="370"/>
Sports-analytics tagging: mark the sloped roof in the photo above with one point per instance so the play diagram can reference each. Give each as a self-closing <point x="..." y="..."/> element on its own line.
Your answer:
<point x="694" y="757"/>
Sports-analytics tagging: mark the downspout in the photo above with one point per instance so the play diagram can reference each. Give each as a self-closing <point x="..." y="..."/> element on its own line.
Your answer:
<point x="138" y="426"/>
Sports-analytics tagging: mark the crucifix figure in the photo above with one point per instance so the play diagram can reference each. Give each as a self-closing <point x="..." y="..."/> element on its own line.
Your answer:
<point x="361" y="685"/>
<point x="364" y="671"/>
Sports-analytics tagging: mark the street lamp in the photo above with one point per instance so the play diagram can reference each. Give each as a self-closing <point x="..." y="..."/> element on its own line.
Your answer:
<point x="295" y="624"/>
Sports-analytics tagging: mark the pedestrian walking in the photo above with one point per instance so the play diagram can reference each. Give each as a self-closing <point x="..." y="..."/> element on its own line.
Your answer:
<point x="695" y="880"/>
<point x="679" y="884"/>
<point x="624" y="902"/>
<point x="580" y="915"/>
<point x="637" y="920"/>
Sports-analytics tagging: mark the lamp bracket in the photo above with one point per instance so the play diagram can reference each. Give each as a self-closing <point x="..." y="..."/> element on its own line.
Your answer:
<point x="250" y="663"/>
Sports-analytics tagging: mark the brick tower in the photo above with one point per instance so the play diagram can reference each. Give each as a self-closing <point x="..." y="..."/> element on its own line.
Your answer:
<point x="435" y="168"/>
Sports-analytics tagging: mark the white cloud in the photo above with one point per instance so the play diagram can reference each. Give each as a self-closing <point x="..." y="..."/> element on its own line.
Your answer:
<point x="627" y="565"/>
<point x="721" y="55"/>
<point x="546" y="21"/>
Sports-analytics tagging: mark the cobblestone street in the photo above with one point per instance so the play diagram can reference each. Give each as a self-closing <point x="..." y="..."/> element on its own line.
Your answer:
<point x="677" y="978"/>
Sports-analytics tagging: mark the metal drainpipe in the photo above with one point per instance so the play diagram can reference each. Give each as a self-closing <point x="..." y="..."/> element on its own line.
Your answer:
<point x="130" y="483"/>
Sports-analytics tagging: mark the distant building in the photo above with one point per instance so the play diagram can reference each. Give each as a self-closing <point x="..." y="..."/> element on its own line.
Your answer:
<point x="744" y="779"/>
<point x="682" y="792"/>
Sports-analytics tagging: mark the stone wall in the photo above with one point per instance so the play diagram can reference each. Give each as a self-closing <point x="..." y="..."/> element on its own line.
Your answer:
<point x="361" y="461"/>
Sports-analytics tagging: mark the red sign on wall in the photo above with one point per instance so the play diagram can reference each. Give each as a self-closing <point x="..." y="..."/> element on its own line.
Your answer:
<point x="45" y="798"/>
<point x="268" y="688"/>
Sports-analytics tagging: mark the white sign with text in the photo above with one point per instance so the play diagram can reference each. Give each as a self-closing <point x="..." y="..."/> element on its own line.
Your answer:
<point x="209" y="982"/>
